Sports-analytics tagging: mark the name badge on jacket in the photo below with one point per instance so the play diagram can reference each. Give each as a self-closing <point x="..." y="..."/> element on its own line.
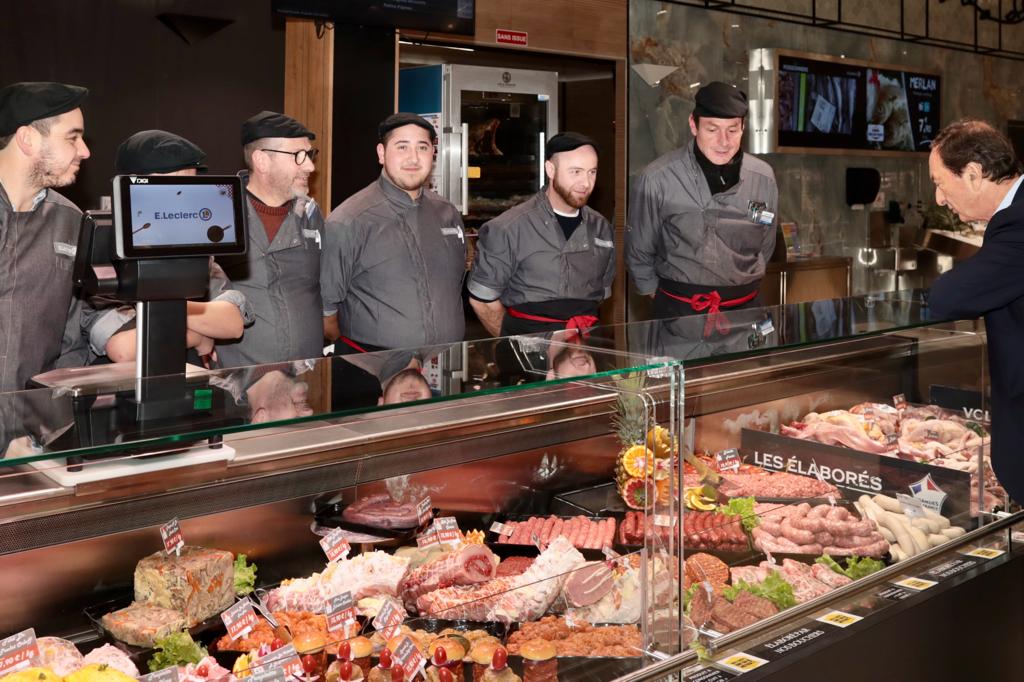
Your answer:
<point x="454" y="232"/>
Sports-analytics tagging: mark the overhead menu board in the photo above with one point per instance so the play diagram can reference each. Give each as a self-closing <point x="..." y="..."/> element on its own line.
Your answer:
<point x="817" y="102"/>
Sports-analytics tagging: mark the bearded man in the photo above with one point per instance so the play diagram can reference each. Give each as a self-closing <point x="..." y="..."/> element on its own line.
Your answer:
<point x="394" y="252"/>
<point x="41" y="147"/>
<point x="547" y="263"/>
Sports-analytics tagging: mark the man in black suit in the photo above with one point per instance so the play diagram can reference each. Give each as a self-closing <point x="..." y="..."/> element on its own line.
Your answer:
<point x="977" y="175"/>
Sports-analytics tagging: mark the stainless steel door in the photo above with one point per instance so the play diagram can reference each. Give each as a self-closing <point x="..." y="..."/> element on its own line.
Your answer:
<point x="499" y="120"/>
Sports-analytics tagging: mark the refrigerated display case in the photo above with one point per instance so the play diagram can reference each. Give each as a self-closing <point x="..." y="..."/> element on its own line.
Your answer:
<point x="492" y="125"/>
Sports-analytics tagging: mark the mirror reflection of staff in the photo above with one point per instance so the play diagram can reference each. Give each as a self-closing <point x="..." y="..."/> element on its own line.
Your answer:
<point x="701" y="218"/>
<point x="41" y="148"/>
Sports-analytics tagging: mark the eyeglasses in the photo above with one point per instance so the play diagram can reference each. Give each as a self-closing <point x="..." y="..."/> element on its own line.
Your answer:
<point x="300" y="156"/>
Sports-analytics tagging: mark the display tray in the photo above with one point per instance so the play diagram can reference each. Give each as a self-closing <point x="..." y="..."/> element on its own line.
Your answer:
<point x="596" y="529"/>
<point x="330" y="516"/>
<point x="204" y="631"/>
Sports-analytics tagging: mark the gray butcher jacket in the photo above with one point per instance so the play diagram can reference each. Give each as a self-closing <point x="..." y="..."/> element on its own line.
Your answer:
<point x="523" y="256"/>
<point x="679" y="231"/>
<point x="281" y="284"/>
<point x="392" y="268"/>
<point x="37" y="252"/>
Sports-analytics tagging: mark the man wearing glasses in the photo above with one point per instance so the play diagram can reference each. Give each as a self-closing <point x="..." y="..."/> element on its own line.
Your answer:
<point x="280" y="272"/>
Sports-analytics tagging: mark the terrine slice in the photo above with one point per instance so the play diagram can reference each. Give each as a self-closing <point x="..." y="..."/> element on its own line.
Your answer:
<point x="198" y="584"/>
<point x="143" y="624"/>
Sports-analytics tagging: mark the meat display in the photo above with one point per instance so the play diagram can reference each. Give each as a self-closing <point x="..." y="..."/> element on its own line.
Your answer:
<point x="712" y="610"/>
<point x="368" y="574"/>
<point x="809" y="582"/>
<point x="513" y="565"/>
<point x="198" y="584"/>
<point x="700" y="567"/>
<point x="622" y="602"/>
<point x="776" y="484"/>
<point x="380" y="511"/>
<point x="635" y="525"/>
<point x="844" y="428"/>
<point x="579" y="639"/>
<point x="803" y="529"/>
<point x="924" y="440"/>
<point x="581" y="531"/>
<point x="508" y="600"/>
<point x="467" y="565"/>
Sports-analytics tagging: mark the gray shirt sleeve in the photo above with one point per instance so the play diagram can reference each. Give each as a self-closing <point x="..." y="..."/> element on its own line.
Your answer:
<point x="338" y="262"/>
<point x="220" y="289"/>
<point x="99" y="322"/>
<point x="493" y="264"/>
<point x="609" y="273"/>
<point x="770" y="231"/>
<point x="642" y="234"/>
<point x="74" y="347"/>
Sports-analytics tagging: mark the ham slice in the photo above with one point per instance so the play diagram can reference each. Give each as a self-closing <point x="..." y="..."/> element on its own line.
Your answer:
<point x="589" y="584"/>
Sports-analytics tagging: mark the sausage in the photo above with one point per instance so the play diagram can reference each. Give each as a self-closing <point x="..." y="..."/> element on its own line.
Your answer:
<point x="795" y="535"/>
<point x="814" y="524"/>
<point x="579" y="529"/>
<point x="852" y="541"/>
<point x="591" y="540"/>
<point x="517" y="532"/>
<point x="818" y="512"/>
<point x="823" y="538"/>
<point x="556" y="528"/>
<point x="837" y="514"/>
<point x="609" y="533"/>
<point x="771" y="527"/>
<point x="545" y="530"/>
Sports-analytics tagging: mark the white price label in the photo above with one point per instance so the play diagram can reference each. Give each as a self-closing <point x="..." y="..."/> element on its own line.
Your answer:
<point x="501" y="528"/>
<point x="911" y="506"/>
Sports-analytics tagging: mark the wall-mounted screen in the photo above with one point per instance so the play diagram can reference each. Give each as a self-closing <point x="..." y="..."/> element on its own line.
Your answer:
<point x="444" y="16"/>
<point x="808" y="103"/>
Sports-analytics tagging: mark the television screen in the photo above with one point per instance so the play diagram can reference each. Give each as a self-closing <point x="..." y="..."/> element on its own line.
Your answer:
<point x="903" y="110"/>
<point x="444" y="16"/>
<point x="821" y="104"/>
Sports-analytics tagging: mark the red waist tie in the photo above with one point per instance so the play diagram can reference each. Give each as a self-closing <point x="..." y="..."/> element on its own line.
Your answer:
<point x="352" y="344"/>
<point x="713" y="303"/>
<point x="580" y="324"/>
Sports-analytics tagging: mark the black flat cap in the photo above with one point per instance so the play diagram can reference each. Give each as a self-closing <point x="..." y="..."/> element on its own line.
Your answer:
<point x="566" y="142"/>
<point x="157" y="151"/>
<point x="404" y="118"/>
<point x="23" y="103"/>
<point x="720" y="100"/>
<point x="273" y="124"/>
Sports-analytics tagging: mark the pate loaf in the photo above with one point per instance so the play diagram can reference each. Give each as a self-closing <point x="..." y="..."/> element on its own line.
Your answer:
<point x="198" y="584"/>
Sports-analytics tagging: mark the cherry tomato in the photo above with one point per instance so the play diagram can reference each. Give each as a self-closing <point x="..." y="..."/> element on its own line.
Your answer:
<point x="385" y="658"/>
<point x="440" y="656"/>
<point x="500" y="658"/>
<point x="276" y="644"/>
<point x="203" y="670"/>
<point x="397" y="674"/>
<point x="444" y="675"/>
<point x="345" y="670"/>
<point x="344" y="651"/>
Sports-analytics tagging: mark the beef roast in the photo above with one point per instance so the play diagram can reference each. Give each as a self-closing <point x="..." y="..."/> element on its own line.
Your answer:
<point x="380" y="511"/>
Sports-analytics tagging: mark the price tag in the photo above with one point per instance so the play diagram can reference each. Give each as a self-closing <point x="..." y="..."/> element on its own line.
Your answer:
<point x="165" y="675"/>
<point x="285" y="659"/>
<point x="429" y="537"/>
<point x="18" y="651"/>
<point x="840" y="619"/>
<point x="765" y="326"/>
<point x="335" y="546"/>
<point x="388" y="621"/>
<point x="899" y="401"/>
<point x="239" y="618"/>
<point x="609" y="553"/>
<point x="985" y="552"/>
<point x="663" y="520"/>
<point x="171" y="534"/>
<point x="273" y="674"/>
<point x="912" y="507"/>
<point x="501" y="528"/>
<point x="918" y="584"/>
<point x="742" y="663"/>
<point x="424" y="510"/>
<point x="339" y="611"/>
<point x="409" y="658"/>
<point x="728" y="460"/>
<point x="447" y="529"/>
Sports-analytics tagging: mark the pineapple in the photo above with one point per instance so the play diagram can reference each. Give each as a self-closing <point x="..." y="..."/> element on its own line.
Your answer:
<point x="635" y="460"/>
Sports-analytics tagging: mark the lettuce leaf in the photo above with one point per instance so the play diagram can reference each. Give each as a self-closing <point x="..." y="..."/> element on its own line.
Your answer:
<point x="245" y="576"/>
<point x="176" y="649"/>
<point x="773" y="588"/>
<point x="856" y="567"/>
<point x="744" y="508"/>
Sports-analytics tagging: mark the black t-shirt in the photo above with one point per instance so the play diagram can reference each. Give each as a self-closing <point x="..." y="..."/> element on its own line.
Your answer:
<point x="720" y="178"/>
<point x="569" y="223"/>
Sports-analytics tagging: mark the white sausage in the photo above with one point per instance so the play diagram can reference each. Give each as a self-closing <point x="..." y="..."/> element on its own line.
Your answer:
<point x="888" y="503"/>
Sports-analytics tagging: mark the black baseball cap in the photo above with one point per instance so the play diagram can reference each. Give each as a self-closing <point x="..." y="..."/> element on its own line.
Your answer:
<point x="273" y="124"/>
<point x="404" y="118"/>
<point x="566" y="142"/>
<point x="23" y="103"/>
<point x="720" y="100"/>
<point x="157" y="151"/>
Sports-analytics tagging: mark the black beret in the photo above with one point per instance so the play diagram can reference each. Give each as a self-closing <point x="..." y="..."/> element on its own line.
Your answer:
<point x="272" y="124"/>
<point x="23" y="103"/>
<point x="566" y="142"/>
<point x="720" y="100"/>
<point x="157" y="151"/>
<point x="404" y="118"/>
